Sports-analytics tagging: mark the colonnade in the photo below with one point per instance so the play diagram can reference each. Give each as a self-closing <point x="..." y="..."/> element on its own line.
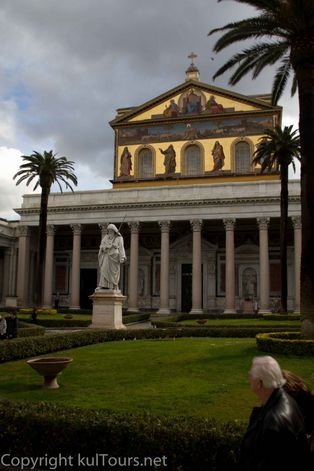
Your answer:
<point x="165" y="226"/>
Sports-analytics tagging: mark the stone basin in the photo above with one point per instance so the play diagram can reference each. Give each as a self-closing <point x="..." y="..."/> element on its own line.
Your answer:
<point x="201" y="321"/>
<point x="67" y="316"/>
<point x="50" y="368"/>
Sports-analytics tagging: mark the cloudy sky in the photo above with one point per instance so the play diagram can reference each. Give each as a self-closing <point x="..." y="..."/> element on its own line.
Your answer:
<point x="67" y="65"/>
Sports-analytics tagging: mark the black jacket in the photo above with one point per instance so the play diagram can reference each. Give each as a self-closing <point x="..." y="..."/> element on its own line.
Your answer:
<point x="13" y="327"/>
<point x="276" y="438"/>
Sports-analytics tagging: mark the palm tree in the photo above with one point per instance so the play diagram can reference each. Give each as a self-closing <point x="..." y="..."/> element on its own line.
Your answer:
<point x="289" y="28"/>
<point x="48" y="169"/>
<point x="277" y="149"/>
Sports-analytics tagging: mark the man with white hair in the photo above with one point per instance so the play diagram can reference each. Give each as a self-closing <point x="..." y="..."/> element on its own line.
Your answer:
<point x="275" y="438"/>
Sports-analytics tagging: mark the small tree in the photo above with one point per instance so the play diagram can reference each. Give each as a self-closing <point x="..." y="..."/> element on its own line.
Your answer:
<point x="277" y="149"/>
<point x="48" y="169"/>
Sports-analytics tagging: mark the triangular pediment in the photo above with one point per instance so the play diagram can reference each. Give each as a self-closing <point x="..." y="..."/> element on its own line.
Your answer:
<point x="192" y="100"/>
<point x="185" y="243"/>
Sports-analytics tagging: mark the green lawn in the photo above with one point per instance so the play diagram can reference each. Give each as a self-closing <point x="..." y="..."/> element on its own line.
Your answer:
<point x="260" y="322"/>
<point x="195" y="376"/>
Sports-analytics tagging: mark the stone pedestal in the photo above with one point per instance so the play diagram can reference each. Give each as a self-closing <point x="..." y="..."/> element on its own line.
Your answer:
<point x="107" y="309"/>
<point x="11" y="301"/>
<point x="248" y="307"/>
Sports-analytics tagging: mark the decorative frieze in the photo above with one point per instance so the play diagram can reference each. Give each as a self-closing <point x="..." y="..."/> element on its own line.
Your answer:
<point x="263" y="223"/>
<point x="89" y="257"/>
<point x="229" y="224"/>
<point x="296" y="222"/>
<point x="196" y="225"/>
<point x="164" y="226"/>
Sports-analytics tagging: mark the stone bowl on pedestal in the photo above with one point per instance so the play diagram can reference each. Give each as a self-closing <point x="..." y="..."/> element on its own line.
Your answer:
<point x="67" y="316"/>
<point x="172" y="332"/>
<point x="201" y="321"/>
<point x="50" y="368"/>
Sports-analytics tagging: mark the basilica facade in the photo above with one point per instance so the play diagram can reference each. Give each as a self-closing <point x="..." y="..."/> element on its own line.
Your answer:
<point x="200" y="222"/>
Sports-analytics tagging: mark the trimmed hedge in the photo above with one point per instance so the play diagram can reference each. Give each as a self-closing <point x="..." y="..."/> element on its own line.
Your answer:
<point x="30" y="330"/>
<point x="281" y="317"/>
<point x="187" y="316"/>
<point x="40" y="311"/>
<point x="288" y="343"/>
<point x="135" y="318"/>
<point x="187" y="443"/>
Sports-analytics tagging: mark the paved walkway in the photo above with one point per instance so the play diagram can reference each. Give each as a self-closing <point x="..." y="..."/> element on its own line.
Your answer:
<point x="62" y="330"/>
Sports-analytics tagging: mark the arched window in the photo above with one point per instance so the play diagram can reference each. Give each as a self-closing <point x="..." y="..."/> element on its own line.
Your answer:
<point x="242" y="157"/>
<point x="145" y="163"/>
<point x="192" y="160"/>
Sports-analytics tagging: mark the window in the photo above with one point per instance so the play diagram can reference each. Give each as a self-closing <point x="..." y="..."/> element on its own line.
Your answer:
<point x="242" y="158"/>
<point x="192" y="160"/>
<point x="145" y="164"/>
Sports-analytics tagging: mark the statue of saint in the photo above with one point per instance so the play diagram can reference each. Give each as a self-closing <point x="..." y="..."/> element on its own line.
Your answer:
<point x="170" y="159"/>
<point x="218" y="156"/>
<point x="111" y="254"/>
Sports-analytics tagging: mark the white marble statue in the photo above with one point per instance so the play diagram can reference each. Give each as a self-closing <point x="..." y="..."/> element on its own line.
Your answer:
<point x="111" y="254"/>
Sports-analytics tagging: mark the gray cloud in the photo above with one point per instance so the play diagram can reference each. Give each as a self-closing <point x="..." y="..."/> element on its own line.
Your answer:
<point x="67" y="66"/>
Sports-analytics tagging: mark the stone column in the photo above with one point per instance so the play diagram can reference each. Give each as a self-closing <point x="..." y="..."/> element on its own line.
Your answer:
<point x="196" y="225"/>
<point x="230" y="266"/>
<point x="6" y="272"/>
<point x="264" y="279"/>
<point x="103" y="227"/>
<point x="296" y="221"/>
<point x="32" y="276"/>
<point x="164" y="268"/>
<point x="133" y="288"/>
<point x="23" y="265"/>
<point x="12" y="272"/>
<point x="48" y="280"/>
<point x="76" y="265"/>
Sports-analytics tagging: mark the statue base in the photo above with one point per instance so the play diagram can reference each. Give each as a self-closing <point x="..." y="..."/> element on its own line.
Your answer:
<point x="107" y="309"/>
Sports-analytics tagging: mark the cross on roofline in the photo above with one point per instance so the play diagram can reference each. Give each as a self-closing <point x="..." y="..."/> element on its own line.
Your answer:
<point x="192" y="56"/>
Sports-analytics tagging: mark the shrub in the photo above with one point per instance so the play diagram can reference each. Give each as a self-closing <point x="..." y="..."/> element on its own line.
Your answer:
<point x="188" y="443"/>
<point x="281" y="317"/>
<point x="30" y="330"/>
<point x="39" y="311"/>
<point x="289" y="343"/>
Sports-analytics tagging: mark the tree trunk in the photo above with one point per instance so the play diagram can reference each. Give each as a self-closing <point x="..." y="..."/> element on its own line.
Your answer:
<point x="305" y="76"/>
<point x="42" y="239"/>
<point x="283" y="238"/>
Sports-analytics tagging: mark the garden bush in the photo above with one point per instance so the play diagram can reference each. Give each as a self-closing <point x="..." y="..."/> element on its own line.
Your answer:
<point x="281" y="317"/>
<point x="187" y="443"/>
<point x="30" y="330"/>
<point x="289" y="343"/>
<point x="39" y="311"/>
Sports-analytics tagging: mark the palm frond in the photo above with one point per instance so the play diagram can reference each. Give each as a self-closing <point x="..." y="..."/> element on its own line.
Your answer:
<point x="247" y="29"/>
<point x="294" y="85"/>
<point x="281" y="79"/>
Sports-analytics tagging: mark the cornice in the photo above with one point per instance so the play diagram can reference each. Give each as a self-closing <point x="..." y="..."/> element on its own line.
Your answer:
<point x="197" y="118"/>
<point x="185" y="86"/>
<point x="160" y="204"/>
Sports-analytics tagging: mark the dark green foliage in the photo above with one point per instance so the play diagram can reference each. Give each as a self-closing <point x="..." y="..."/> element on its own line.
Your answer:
<point x="50" y="322"/>
<point x="74" y="311"/>
<point x="280" y="317"/>
<point x="289" y="343"/>
<point x="30" y="330"/>
<point x="188" y="443"/>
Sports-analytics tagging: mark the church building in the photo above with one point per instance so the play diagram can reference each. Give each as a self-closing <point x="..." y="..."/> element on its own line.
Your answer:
<point x="200" y="222"/>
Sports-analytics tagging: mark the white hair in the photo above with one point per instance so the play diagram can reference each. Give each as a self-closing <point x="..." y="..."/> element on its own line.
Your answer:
<point x="268" y="371"/>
